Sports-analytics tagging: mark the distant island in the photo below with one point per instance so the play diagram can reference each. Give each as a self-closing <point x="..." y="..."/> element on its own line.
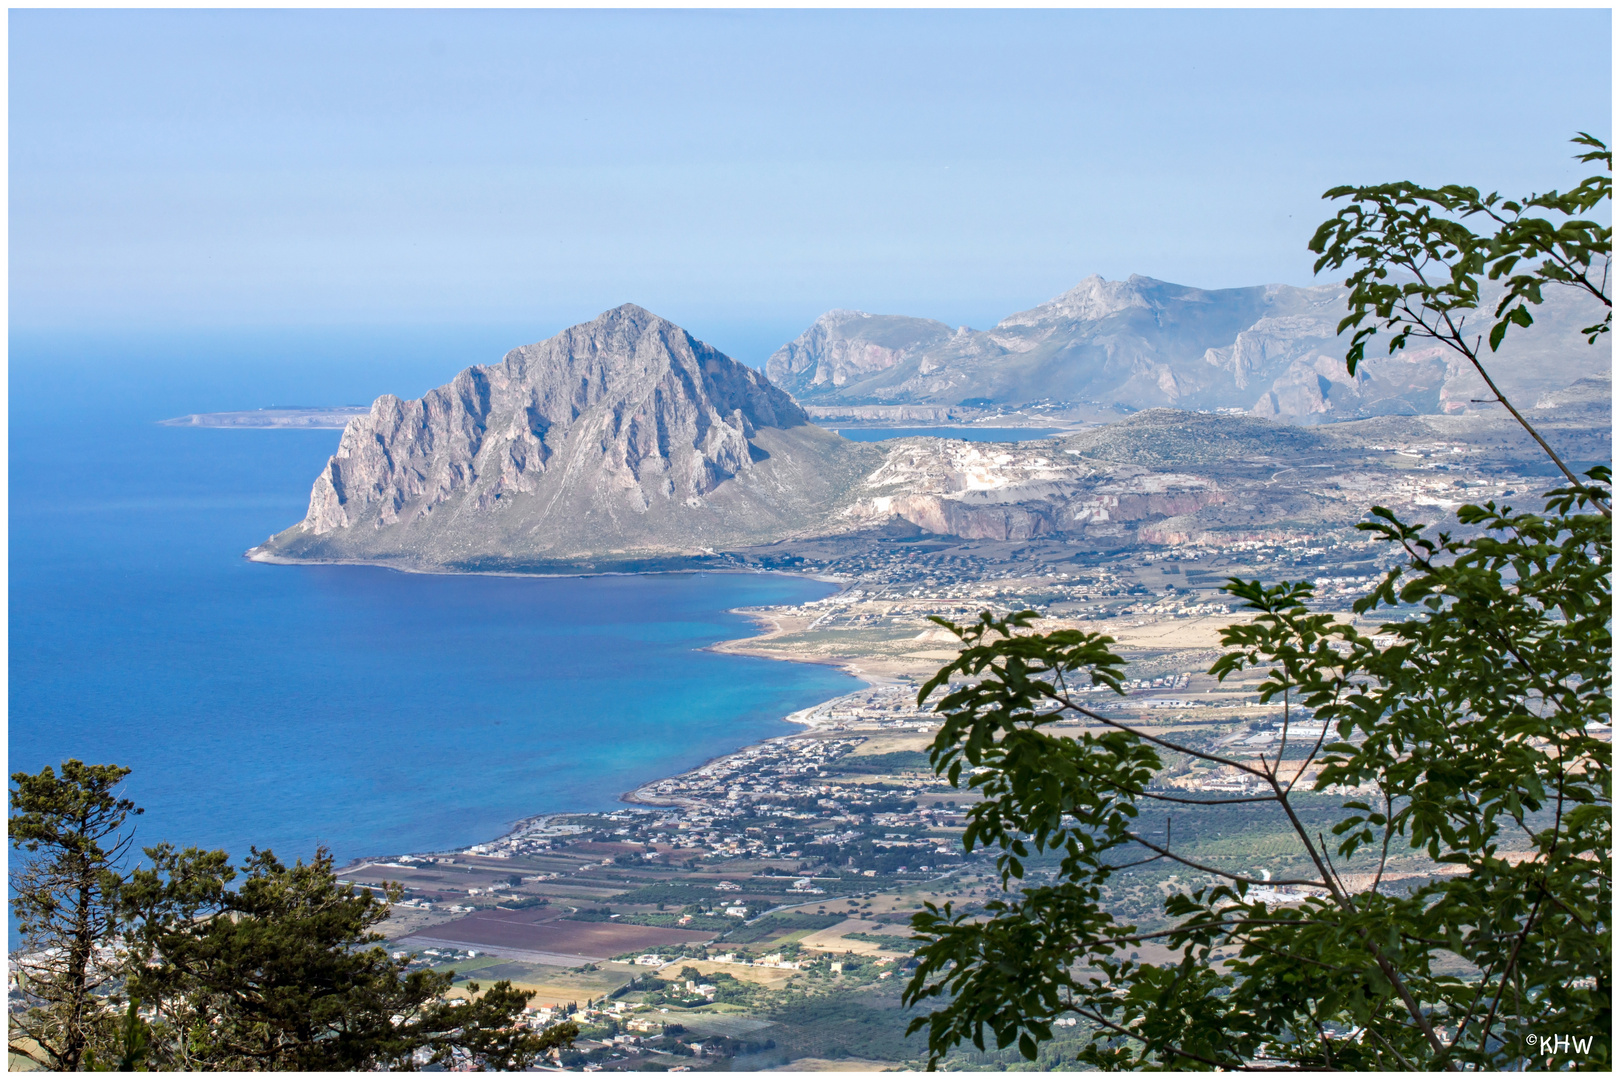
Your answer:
<point x="276" y="416"/>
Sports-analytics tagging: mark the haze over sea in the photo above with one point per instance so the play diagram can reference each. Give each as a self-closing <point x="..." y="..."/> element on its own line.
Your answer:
<point x="289" y="706"/>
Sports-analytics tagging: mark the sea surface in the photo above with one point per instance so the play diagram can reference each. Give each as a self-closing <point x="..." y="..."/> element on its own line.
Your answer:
<point x="288" y="707"/>
<point x="971" y="434"/>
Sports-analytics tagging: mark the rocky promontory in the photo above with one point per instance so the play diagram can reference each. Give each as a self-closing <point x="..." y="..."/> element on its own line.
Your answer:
<point x="623" y="438"/>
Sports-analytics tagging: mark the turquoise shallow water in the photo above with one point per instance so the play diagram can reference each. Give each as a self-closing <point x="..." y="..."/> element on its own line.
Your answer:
<point x="360" y="708"/>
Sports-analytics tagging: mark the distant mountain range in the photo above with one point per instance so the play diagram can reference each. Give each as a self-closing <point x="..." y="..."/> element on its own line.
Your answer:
<point x="1269" y="350"/>
<point x="625" y="441"/>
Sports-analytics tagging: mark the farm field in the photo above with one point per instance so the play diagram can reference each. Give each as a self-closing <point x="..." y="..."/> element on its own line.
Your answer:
<point x="832" y="939"/>
<point x="553" y="985"/>
<point x="519" y="932"/>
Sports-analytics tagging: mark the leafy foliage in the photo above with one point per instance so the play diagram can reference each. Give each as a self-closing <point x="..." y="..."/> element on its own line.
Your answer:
<point x="68" y="830"/>
<point x="1462" y="730"/>
<point x="1418" y="265"/>
<point x="276" y="974"/>
<point x="283" y="971"/>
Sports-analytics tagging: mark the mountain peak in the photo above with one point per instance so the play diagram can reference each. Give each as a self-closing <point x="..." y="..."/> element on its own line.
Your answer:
<point x="1274" y="350"/>
<point x="1093" y="299"/>
<point x="631" y="313"/>
<point x="613" y="428"/>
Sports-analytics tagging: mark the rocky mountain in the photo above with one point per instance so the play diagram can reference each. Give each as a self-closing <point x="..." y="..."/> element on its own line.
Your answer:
<point x="1589" y="399"/>
<point x="1270" y="350"/>
<point x="1168" y="476"/>
<point x="625" y="442"/>
<point x="623" y="438"/>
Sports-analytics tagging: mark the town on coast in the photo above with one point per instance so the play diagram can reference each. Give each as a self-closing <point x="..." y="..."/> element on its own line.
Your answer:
<point x="721" y="915"/>
<point x="756" y="911"/>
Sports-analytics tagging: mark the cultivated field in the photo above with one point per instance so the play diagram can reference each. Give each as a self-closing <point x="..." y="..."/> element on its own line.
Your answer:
<point x="552" y="985"/>
<point x="527" y="935"/>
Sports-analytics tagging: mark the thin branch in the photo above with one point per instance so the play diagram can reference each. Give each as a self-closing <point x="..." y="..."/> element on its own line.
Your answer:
<point x="1327" y="1051"/>
<point x="1310" y="757"/>
<point x="1144" y="736"/>
<point x="1145" y="794"/>
<point x="1389" y="832"/>
<point x="1576" y="919"/>
<point x="1138" y="862"/>
<point x="1229" y="876"/>
<point x="1129" y="1034"/>
<point x="1468" y="1015"/>
<point x="1207" y="802"/>
<point x="1342" y="898"/>
<point x="1282" y="747"/>
<point x="1329" y="860"/>
<point x="1507" y="971"/>
<point x="1296" y="957"/>
<point x="1221" y="925"/>
<point x="1457" y="342"/>
<point x="1407" y="1065"/>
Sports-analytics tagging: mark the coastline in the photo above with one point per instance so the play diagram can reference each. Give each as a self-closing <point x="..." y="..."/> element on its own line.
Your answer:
<point x="764" y="626"/>
<point x="768" y="628"/>
<point x="258" y="555"/>
<point x="642" y="796"/>
<point x="813" y="719"/>
<point x="645" y="796"/>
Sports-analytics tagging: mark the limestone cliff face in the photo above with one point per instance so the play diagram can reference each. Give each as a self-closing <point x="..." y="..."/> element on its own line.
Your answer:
<point x="843" y="345"/>
<point x="623" y="434"/>
<point x="1000" y="491"/>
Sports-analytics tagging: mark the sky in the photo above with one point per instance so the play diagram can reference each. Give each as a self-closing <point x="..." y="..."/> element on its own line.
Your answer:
<point x="735" y="171"/>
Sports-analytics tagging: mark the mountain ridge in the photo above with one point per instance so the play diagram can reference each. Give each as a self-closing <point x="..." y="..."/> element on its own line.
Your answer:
<point x="626" y="443"/>
<point x="1271" y="350"/>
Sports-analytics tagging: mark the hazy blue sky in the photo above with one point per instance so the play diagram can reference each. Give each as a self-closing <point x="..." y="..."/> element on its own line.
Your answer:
<point x="734" y="169"/>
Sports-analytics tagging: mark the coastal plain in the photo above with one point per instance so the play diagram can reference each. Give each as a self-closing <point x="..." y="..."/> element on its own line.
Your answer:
<point x="755" y="912"/>
<point x="784" y="875"/>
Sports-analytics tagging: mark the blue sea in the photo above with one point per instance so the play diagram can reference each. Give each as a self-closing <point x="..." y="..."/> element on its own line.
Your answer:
<point x="293" y="706"/>
<point x="971" y="434"/>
